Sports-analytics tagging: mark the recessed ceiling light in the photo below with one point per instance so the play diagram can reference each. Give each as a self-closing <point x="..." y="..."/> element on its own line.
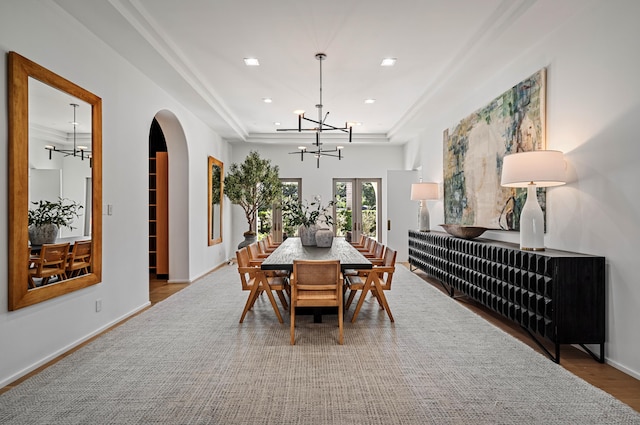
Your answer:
<point x="251" y="62"/>
<point x="276" y="123"/>
<point x="369" y="101"/>
<point x="388" y="62"/>
<point x="267" y="100"/>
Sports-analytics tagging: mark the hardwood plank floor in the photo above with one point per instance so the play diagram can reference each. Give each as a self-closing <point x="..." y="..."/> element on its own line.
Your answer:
<point x="620" y="385"/>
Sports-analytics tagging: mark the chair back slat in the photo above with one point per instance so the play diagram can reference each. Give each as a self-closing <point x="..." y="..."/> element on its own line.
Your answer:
<point x="316" y="283"/>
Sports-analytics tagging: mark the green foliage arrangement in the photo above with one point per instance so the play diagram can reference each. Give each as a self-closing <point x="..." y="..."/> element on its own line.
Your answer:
<point x="254" y="184"/>
<point x="296" y="214"/>
<point x="61" y="212"/>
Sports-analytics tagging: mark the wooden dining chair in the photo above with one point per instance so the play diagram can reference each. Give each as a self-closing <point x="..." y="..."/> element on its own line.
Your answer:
<point x="255" y="256"/>
<point x="376" y="254"/>
<point x="366" y="246"/>
<point x="271" y="243"/>
<point x="360" y="243"/>
<point x="375" y="280"/>
<point x="79" y="260"/>
<point x="51" y="263"/>
<point x="256" y="281"/>
<point x="263" y="248"/>
<point x="316" y="283"/>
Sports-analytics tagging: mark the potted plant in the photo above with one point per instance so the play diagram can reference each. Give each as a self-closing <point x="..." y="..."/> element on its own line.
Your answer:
<point x="254" y="184"/>
<point x="307" y="217"/>
<point x="48" y="216"/>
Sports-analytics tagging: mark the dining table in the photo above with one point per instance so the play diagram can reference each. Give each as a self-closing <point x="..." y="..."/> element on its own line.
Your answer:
<point x="291" y="249"/>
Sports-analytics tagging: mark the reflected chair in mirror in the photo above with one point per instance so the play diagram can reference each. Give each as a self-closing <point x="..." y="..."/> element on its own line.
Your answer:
<point x="79" y="260"/>
<point x="375" y="280"/>
<point x="316" y="283"/>
<point x="253" y="279"/>
<point x="31" y="257"/>
<point x="52" y="262"/>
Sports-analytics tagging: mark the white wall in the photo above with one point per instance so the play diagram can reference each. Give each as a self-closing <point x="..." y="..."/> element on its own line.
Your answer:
<point x="43" y="33"/>
<point x="593" y="105"/>
<point x="360" y="161"/>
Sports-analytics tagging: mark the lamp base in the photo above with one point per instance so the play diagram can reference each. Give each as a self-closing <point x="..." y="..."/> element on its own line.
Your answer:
<point x="423" y="217"/>
<point x="531" y="223"/>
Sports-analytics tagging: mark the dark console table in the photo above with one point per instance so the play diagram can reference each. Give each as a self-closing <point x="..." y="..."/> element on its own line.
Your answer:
<point x="554" y="295"/>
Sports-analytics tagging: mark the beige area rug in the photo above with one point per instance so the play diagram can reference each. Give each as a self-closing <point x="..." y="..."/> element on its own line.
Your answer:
<point x="187" y="360"/>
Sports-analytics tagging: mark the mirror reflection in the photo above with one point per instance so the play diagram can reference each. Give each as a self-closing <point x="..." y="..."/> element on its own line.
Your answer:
<point x="59" y="183"/>
<point x="55" y="185"/>
<point x="215" y="200"/>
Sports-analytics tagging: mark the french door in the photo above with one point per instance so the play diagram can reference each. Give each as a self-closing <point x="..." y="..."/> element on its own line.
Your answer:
<point x="358" y="208"/>
<point x="291" y="188"/>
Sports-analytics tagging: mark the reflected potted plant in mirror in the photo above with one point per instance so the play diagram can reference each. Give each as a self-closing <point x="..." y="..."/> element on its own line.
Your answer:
<point x="309" y="217"/>
<point x="254" y="185"/>
<point x="48" y="216"/>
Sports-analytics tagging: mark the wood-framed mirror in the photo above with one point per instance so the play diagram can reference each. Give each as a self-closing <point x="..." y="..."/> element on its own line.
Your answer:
<point x="37" y="97"/>
<point x="216" y="194"/>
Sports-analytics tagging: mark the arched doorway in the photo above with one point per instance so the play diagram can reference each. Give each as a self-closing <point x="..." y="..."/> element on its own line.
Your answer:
<point x="167" y="141"/>
<point x="158" y="204"/>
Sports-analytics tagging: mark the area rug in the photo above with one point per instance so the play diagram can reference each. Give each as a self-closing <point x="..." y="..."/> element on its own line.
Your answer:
<point x="187" y="360"/>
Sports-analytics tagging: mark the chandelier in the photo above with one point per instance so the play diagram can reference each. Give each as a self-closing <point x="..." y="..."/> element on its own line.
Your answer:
<point x="320" y="126"/>
<point x="78" y="151"/>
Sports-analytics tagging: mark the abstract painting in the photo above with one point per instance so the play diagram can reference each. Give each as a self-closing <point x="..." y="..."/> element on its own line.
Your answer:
<point x="474" y="149"/>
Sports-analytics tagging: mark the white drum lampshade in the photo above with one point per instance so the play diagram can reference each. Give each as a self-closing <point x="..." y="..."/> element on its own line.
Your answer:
<point x="423" y="192"/>
<point x="541" y="168"/>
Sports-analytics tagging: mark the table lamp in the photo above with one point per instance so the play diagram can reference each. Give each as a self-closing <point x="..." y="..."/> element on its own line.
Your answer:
<point x="532" y="169"/>
<point x="423" y="192"/>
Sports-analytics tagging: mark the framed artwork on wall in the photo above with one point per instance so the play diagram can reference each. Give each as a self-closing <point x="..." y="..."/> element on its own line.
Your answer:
<point x="474" y="148"/>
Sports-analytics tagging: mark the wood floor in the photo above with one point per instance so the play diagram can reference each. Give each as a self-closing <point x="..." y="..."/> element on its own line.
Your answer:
<point x="603" y="376"/>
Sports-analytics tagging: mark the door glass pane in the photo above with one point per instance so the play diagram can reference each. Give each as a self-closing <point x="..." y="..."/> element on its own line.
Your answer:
<point x="290" y="189"/>
<point x="344" y="208"/>
<point x="369" y="192"/>
<point x="264" y="223"/>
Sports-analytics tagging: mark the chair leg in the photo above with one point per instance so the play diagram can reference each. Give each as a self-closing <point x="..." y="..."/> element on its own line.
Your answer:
<point x="283" y="300"/>
<point x="352" y="295"/>
<point x="250" y="301"/>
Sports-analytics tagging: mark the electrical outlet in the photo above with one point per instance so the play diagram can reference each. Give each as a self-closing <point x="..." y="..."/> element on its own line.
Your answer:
<point x="98" y="306"/>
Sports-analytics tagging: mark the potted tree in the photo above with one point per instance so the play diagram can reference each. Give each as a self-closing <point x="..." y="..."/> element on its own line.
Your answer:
<point x="48" y="216"/>
<point x="307" y="217"/>
<point x="254" y="184"/>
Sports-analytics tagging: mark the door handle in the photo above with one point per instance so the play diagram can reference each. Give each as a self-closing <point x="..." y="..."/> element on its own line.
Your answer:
<point x="389" y="225"/>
